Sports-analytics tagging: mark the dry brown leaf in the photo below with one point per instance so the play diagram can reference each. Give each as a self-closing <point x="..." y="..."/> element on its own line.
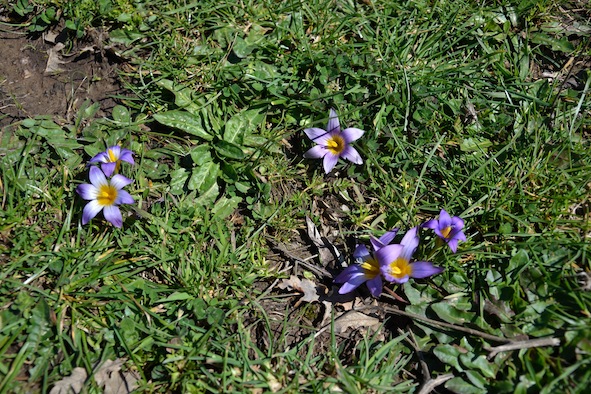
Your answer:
<point x="355" y="319"/>
<point x="326" y="250"/>
<point x="306" y="286"/>
<point x="113" y="381"/>
<point x="70" y="384"/>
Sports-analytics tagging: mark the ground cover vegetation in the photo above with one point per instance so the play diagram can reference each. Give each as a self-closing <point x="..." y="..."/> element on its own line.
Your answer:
<point x="452" y="206"/>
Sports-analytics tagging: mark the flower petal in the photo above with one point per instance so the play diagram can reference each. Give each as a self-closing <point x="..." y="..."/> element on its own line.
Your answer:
<point x="333" y="122"/>
<point x="457" y="223"/>
<point x="113" y="214"/>
<point x="444" y="219"/>
<point x="388" y="254"/>
<point x="423" y="269"/>
<point x="375" y="286"/>
<point x="453" y="244"/>
<point x="127" y="155"/>
<point x="119" y="181"/>
<point x="352" y="284"/>
<point x="330" y="161"/>
<point x="315" y="132"/>
<point x="388" y="236"/>
<point x="351" y="134"/>
<point x="348" y="273"/>
<point x="99" y="158"/>
<point x="97" y="177"/>
<point x="360" y="253"/>
<point x="108" y="168"/>
<point x="90" y="211"/>
<point x="432" y="224"/>
<point x="410" y="241"/>
<point x="352" y="155"/>
<point x="316" y="152"/>
<point x="124" y="197"/>
<point x="87" y="191"/>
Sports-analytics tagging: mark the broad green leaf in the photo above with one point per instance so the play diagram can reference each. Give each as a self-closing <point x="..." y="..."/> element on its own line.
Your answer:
<point x="451" y="313"/>
<point x="204" y="177"/>
<point x="208" y="197"/>
<point x="560" y="45"/>
<point x="475" y="144"/>
<point x="225" y="206"/>
<point x="184" y="121"/>
<point x="182" y="95"/>
<point x="448" y="354"/>
<point x="480" y="363"/>
<point x="177" y="181"/>
<point x="201" y="154"/>
<point x="176" y="296"/>
<point x="476" y="379"/>
<point x="459" y="385"/>
<point x="121" y="114"/>
<point x="229" y="150"/>
<point x="242" y="124"/>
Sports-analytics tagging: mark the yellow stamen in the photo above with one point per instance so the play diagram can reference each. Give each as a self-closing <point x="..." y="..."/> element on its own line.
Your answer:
<point x="111" y="155"/>
<point x="107" y="195"/>
<point x="400" y="268"/>
<point x="371" y="268"/>
<point x="336" y="144"/>
<point x="445" y="232"/>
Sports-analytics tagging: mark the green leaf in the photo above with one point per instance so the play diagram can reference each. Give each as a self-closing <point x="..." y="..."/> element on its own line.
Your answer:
<point x="475" y="144"/>
<point x="201" y="154"/>
<point x="183" y="95"/>
<point x="480" y="363"/>
<point x="225" y="206"/>
<point x="176" y="296"/>
<point x="177" y="181"/>
<point x="448" y="311"/>
<point x="448" y="354"/>
<point x="204" y="177"/>
<point x="560" y="45"/>
<point x="121" y="114"/>
<point x="184" y="121"/>
<point x="242" y="124"/>
<point x="209" y="196"/>
<point x="458" y="385"/>
<point x="229" y="150"/>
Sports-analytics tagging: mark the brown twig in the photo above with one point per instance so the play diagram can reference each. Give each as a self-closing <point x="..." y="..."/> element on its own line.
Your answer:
<point x="517" y="345"/>
<point x="437" y="323"/>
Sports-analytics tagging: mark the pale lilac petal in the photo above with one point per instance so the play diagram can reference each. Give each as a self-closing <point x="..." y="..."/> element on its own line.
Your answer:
<point x="87" y="191"/>
<point x="388" y="236"/>
<point x="348" y="273"/>
<point x="444" y="219"/>
<point x="453" y="244"/>
<point x="116" y="149"/>
<point x="352" y="155"/>
<point x="432" y="224"/>
<point x="393" y="279"/>
<point x="423" y="269"/>
<point x="316" y="152"/>
<point x="315" y="132"/>
<point x="459" y="235"/>
<point x="99" y="158"/>
<point x="108" y="168"/>
<point x="127" y="156"/>
<point x="388" y="254"/>
<point x="333" y="122"/>
<point x="376" y="243"/>
<point x="330" y="161"/>
<point x="457" y="223"/>
<point x="375" y="286"/>
<point x="410" y="241"/>
<point x="360" y="253"/>
<point x="113" y="214"/>
<point x="90" y="210"/>
<point x="351" y="134"/>
<point x="351" y="285"/>
<point x="120" y="181"/>
<point x="124" y="197"/>
<point x="97" y="177"/>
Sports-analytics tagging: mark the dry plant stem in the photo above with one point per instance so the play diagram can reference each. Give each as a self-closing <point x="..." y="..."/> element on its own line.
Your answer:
<point x="517" y="345"/>
<point x="432" y="322"/>
<point x="432" y="383"/>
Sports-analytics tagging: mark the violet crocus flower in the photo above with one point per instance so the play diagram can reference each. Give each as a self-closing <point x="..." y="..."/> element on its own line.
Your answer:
<point x="366" y="269"/>
<point x="111" y="159"/>
<point x="333" y="143"/>
<point x="105" y="195"/>
<point x="448" y="229"/>
<point x="394" y="260"/>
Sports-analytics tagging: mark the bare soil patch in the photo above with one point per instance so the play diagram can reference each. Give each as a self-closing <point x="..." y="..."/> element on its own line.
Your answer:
<point x="28" y="87"/>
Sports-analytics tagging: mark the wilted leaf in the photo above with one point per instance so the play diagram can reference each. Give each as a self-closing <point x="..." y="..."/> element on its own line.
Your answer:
<point x="114" y="381"/>
<point x="306" y="286"/>
<point x="70" y="384"/>
<point x="354" y="320"/>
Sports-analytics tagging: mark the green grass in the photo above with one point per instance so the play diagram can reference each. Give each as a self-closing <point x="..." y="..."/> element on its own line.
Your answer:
<point x="457" y="115"/>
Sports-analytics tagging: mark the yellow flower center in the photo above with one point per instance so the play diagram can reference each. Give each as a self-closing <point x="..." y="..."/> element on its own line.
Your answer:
<point x="336" y="144"/>
<point x="107" y="195"/>
<point x="445" y="232"/>
<point x="400" y="268"/>
<point x="111" y="154"/>
<point x="371" y="268"/>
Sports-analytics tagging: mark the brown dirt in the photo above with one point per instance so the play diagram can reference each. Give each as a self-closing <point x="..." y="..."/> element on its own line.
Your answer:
<point x="28" y="90"/>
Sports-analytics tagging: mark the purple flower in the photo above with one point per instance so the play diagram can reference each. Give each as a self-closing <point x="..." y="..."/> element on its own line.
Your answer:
<point x="333" y="143"/>
<point x="366" y="269"/>
<point x="111" y="159"/>
<point x="394" y="260"/>
<point x="448" y="229"/>
<point x="104" y="195"/>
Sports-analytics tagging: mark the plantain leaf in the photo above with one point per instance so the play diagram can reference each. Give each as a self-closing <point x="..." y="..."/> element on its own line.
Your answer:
<point x="184" y="121"/>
